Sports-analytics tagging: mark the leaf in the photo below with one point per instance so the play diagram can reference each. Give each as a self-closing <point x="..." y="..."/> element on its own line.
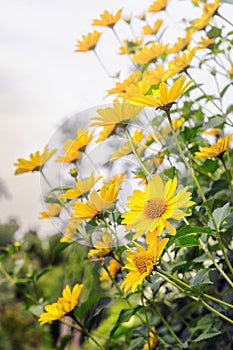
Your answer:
<point x="42" y="273"/>
<point x="102" y="304"/>
<point x="202" y="277"/>
<point x="64" y="341"/>
<point x="186" y="231"/>
<point x="214" y="32"/>
<point x="125" y="316"/>
<point x="209" y="205"/>
<point x="220" y="214"/>
<point x="170" y="173"/>
<point x="59" y="248"/>
<point x="189" y="241"/>
<point x="86" y="306"/>
<point x="206" y="335"/>
<point x="136" y="343"/>
<point x="225" y="89"/>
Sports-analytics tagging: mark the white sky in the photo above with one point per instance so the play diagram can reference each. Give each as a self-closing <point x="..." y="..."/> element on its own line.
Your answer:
<point x="43" y="82"/>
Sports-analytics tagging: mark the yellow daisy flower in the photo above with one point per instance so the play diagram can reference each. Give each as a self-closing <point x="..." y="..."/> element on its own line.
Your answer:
<point x="152" y="30"/>
<point x="120" y="87"/>
<point x="156" y="75"/>
<point x="180" y="63"/>
<point x="74" y="148"/>
<point x="64" y="306"/>
<point x="103" y="247"/>
<point x="158" y="5"/>
<point x="82" y="187"/>
<point x="107" y="19"/>
<point x="88" y="42"/>
<point x="70" y="231"/>
<point x="212" y="131"/>
<point x="126" y="149"/>
<point x="117" y="179"/>
<point x="150" y="209"/>
<point x="149" y="54"/>
<point x="142" y="262"/>
<point x="140" y="87"/>
<point x="153" y="340"/>
<point x="53" y="211"/>
<point x="113" y="268"/>
<point x="36" y="161"/>
<point x="162" y="97"/>
<point x="181" y="44"/>
<point x="130" y="46"/>
<point x="206" y="43"/>
<point x="98" y="202"/>
<point x="216" y="150"/>
<point x="111" y="117"/>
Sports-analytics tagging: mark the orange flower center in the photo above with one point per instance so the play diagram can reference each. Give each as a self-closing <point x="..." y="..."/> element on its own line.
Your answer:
<point x="154" y="208"/>
<point x="143" y="262"/>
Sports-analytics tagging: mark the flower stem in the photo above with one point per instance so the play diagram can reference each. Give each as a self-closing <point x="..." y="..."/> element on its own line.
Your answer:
<point x="228" y="175"/>
<point x="225" y="19"/>
<point x="102" y="65"/>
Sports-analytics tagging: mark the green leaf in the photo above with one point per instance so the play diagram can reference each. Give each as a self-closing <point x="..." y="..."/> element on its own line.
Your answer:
<point x="206" y="335"/>
<point x="64" y="342"/>
<point x="59" y="248"/>
<point x="187" y="231"/>
<point x="136" y="343"/>
<point x="214" y="32"/>
<point x="209" y="205"/>
<point x="202" y="277"/>
<point x="189" y="241"/>
<point x="225" y="89"/>
<point x="170" y="173"/>
<point x="220" y="214"/>
<point x="102" y="304"/>
<point x="125" y="316"/>
<point x="86" y="306"/>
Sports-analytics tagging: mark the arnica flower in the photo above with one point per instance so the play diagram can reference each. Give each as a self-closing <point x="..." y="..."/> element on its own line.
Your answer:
<point x="73" y="148"/>
<point x="64" y="306"/>
<point x="158" y="5"/>
<point x="107" y="19"/>
<point x="148" y="30"/>
<point x="180" y="63"/>
<point x="206" y="43"/>
<point x="53" y="211"/>
<point x="150" y="209"/>
<point x="113" y="268"/>
<point x="98" y="202"/>
<point x="120" y="87"/>
<point x="209" y="10"/>
<point x="126" y="149"/>
<point x="112" y="117"/>
<point x="142" y="262"/>
<point x="153" y="340"/>
<point x="181" y="44"/>
<point x="88" y="42"/>
<point x="130" y="46"/>
<point x="103" y="247"/>
<point x="162" y="97"/>
<point x="216" y="150"/>
<point x="82" y="187"/>
<point x="35" y="163"/>
<point x="149" y="54"/>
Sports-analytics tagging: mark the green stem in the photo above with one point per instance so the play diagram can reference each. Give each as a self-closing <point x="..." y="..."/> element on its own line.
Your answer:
<point x="6" y="274"/>
<point x="102" y="65"/>
<point x="136" y="154"/>
<point x="228" y="175"/>
<point x="147" y="321"/>
<point x="225" y="19"/>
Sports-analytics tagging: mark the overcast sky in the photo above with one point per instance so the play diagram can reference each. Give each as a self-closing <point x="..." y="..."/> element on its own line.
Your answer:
<point x="43" y="82"/>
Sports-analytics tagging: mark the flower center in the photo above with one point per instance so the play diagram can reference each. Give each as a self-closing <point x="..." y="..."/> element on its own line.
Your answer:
<point x="154" y="208"/>
<point x="143" y="262"/>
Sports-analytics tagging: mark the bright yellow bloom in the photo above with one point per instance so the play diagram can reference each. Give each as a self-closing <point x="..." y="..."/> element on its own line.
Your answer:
<point x="82" y="187"/>
<point x="151" y="209"/>
<point x="149" y="54"/>
<point x="162" y="97"/>
<point x="113" y="268"/>
<point x="206" y="43"/>
<point x="156" y="75"/>
<point x="117" y="179"/>
<point x="120" y="87"/>
<point x="126" y="149"/>
<point x="88" y="42"/>
<point x="98" y="202"/>
<point x="53" y="211"/>
<point x="70" y="231"/>
<point x="180" y="63"/>
<point x="165" y="131"/>
<point x="130" y="46"/>
<point x="181" y="44"/>
<point x="103" y="247"/>
<point x="36" y="162"/>
<point x="107" y="19"/>
<point x="140" y="87"/>
<point x="158" y="5"/>
<point x="142" y="263"/>
<point x="111" y="117"/>
<point x="74" y="148"/>
<point x="209" y="10"/>
<point x="152" y="30"/>
<point x="216" y="150"/>
<point x="65" y="304"/>
<point x="212" y="131"/>
<point x="153" y="340"/>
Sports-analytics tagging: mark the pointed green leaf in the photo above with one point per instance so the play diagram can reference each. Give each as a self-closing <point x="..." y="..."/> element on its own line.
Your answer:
<point x="125" y="316"/>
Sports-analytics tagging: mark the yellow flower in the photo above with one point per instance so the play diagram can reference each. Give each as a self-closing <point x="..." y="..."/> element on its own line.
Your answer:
<point x="88" y="42"/>
<point x="64" y="306"/>
<point x="53" y="210"/>
<point x="158" y="5"/>
<point x="142" y="263"/>
<point x="156" y="75"/>
<point x="82" y="187"/>
<point x="36" y="161"/>
<point x="111" y="117"/>
<point x="216" y="150"/>
<point x="107" y="19"/>
<point x="212" y="131"/>
<point x="151" y="209"/>
<point x="98" y="202"/>
<point x="117" y="179"/>
<point x="130" y="46"/>
<point x="162" y="97"/>
<point x="153" y="340"/>
<point x="181" y="44"/>
<point x="180" y="63"/>
<point x="206" y="43"/>
<point x="113" y="268"/>
<point x="74" y="148"/>
<point x="103" y="247"/>
<point x="70" y="231"/>
<point x="126" y="149"/>
<point x="140" y="87"/>
<point x="209" y="10"/>
<point x="120" y="87"/>
<point x="149" y="54"/>
<point x="152" y="30"/>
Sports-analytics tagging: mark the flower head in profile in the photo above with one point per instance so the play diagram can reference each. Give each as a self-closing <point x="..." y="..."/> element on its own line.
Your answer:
<point x="158" y="5"/>
<point x="148" y="30"/>
<point x="112" y="117"/>
<point x="126" y="149"/>
<point x="163" y="97"/>
<point x="64" y="306"/>
<point x="71" y="230"/>
<point x="88" y="41"/>
<point x="150" y="209"/>
<point x="120" y="87"/>
<point x="130" y="46"/>
<point x="180" y="63"/>
<point x="149" y="54"/>
<point x="103" y="247"/>
<point x="216" y="150"/>
<point x="35" y="163"/>
<point x="206" y="43"/>
<point x="181" y="44"/>
<point x="53" y="211"/>
<point x="113" y="268"/>
<point x="142" y="262"/>
<point x="107" y="19"/>
<point x="98" y="202"/>
<point x="153" y="340"/>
